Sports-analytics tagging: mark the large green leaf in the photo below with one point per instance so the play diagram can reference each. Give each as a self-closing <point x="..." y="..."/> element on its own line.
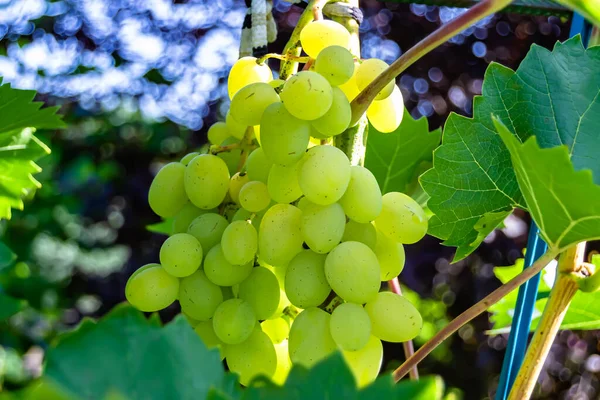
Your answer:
<point x="19" y="148"/>
<point x="394" y="158"/>
<point x="472" y="185"/>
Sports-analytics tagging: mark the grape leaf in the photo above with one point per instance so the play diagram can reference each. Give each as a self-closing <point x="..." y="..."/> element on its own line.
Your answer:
<point x="472" y="185"/>
<point x="9" y="306"/>
<point x="394" y="158"/>
<point x="19" y="148"/>
<point x="7" y="257"/>
<point x="164" y="227"/>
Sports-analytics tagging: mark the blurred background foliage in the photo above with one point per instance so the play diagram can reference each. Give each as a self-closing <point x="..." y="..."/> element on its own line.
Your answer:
<point x="139" y="82"/>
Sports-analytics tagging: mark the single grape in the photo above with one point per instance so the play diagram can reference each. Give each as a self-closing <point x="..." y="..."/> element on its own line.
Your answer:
<point x="362" y="201"/>
<point x="261" y="291"/>
<point x="366" y="362"/>
<point x="390" y="255"/>
<point x="181" y="255"/>
<point x="337" y="118"/>
<point x="258" y="166"/>
<point x="254" y="196"/>
<point x="167" y="194"/>
<point x="305" y="281"/>
<point x="250" y="102"/>
<point x="235" y="185"/>
<point x="198" y="296"/>
<point x="218" y="132"/>
<point x="324" y="174"/>
<point x="350" y="326"/>
<point x="231" y="157"/>
<point x="402" y="218"/>
<point x="253" y="357"/>
<point x="350" y="88"/>
<point x="246" y="71"/>
<point x="370" y="69"/>
<point x="364" y="233"/>
<point x="310" y="338"/>
<point x="284" y="138"/>
<point x="185" y="216"/>
<point x="284" y="364"/>
<point x="234" y="321"/>
<point x="393" y="318"/>
<point x="205" y="330"/>
<point x="151" y="288"/>
<point x="336" y="64"/>
<point x="323" y="226"/>
<point x="239" y="242"/>
<point x="283" y="183"/>
<point x="235" y="128"/>
<point x="386" y="115"/>
<point x="185" y="160"/>
<point x="206" y="181"/>
<point x="278" y="329"/>
<point x="352" y="271"/>
<point x="307" y="95"/>
<point x="280" y="236"/>
<point x="321" y="34"/>
<point x="221" y="272"/>
<point x="208" y="229"/>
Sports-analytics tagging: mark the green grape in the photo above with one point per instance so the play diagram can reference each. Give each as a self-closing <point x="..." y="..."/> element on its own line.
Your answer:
<point x="336" y="64"/>
<point x="250" y="102"/>
<point x="167" y="194"/>
<point x="207" y="333"/>
<point x="283" y="183"/>
<point x="386" y="115"/>
<point x="245" y="71"/>
<point x="323" y="226"/>
<point x="235" y="185"/>
<point x="362" y="200"/>
<point x="234" y="321"/>
<point x="390" y="255"/>
<point x="284" y="138"/>
<point x="402" y="218"/>
<point x="151" y="288"/>
<point x="393" y="318"/>
<point x="364" y="233"/>
<point x="206" y="181"/>
<point x="185" y="216"/>
<point x="278" y="271"/>
<point x="316" y="137"/>
<point x="370" y="69"/>
<point x="352" y="271"/>
<point x="258" y="166"/>
<point x="198" y="296"/>
<point x="307" y="95"/>
<point x="253" y="357"/>
<point x="245" y="215"/>
<point x="310" y="338"/>
<point x="254" y="196"/>
<point x="320" y="34"/>
<point x="277" y="329"/>
<point x="235" y="127"/>
<point x="366" y="362"/>
<point x="239" y="242"/>
<point x="185" y="160"/>
<point x="305" y="282"/>
<point x="350" y="88"/>
<point x="337" y="118"/>
<point x="208" y="229"/>
<point x="324" y="174"/>
<point x="221" y="272"/>
<point x="217" y="133"/>
<point x="261" y="291"/>
<point x="277" y="83"/>
<point x="181" y="255"/>
<point x="231" y="157"/>
<point x="284" y="364"/>
<point x="350" y="326"/>
<point x="280" y="236"/>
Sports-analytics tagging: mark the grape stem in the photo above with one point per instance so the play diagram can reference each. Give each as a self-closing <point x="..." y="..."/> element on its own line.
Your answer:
<point x="435" y="39"/>
<point x="565" y="287"/>
<point x="283" y="57"/>
<point x="409" y="348"/>
<point x="474" y="311"/>
<point x="216" y="149"/>
<point x="246" y="146"/>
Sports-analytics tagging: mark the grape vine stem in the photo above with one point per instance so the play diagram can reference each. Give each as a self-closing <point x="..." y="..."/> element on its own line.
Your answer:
<point x="408" y="347"/>
<point x="435" y="39"/>
<point x="473" y="312"/>
<point x="283" y="57"/>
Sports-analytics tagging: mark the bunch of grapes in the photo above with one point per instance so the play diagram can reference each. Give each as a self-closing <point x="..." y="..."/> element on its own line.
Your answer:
<point x="279" y="258"/>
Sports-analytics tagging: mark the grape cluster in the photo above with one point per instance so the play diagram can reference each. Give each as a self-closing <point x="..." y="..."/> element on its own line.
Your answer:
<point x="279" y="258"/>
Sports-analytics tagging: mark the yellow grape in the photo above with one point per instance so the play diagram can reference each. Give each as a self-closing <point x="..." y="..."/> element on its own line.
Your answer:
<point x="246" y="71"/>
<point x="321" y="34"/>
<point x="370" y="69"/>
<point x="386" y="115"/>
